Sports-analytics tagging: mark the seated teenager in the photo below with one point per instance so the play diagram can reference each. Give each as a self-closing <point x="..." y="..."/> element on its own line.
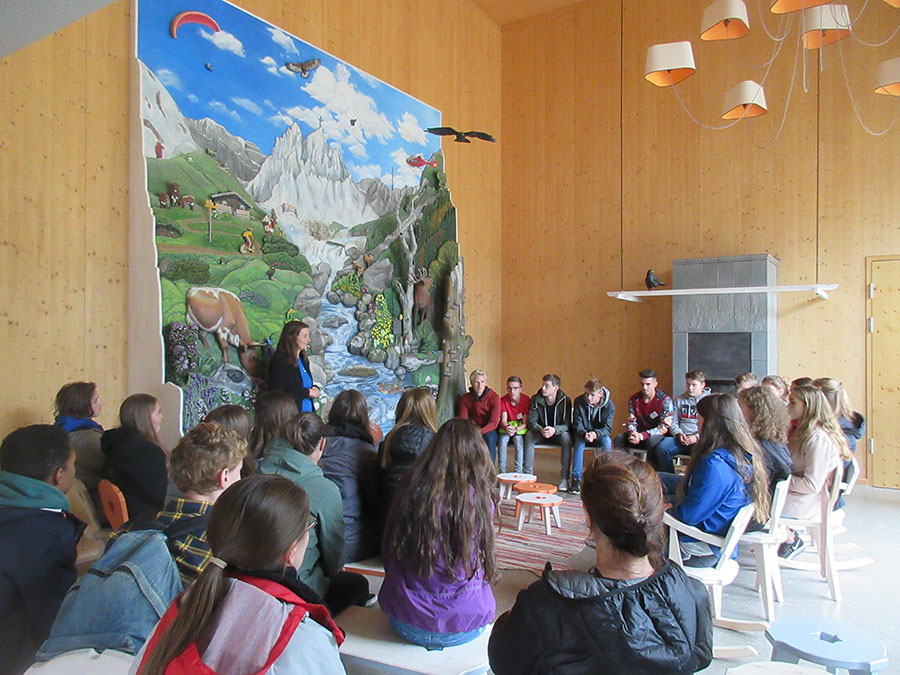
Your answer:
<point x="273" y="409"/>
<point x="768" y="421"/>
<point x="248" y="612"/>
<point x="416" y="424"/>
<point x="438" y="549"/>
<point x="777" y="384"/>
<point x="350" y="460"/>
<point x="77" y="403"/>
<point x="683" y="433"/>
<point x="135" y="461"/>
<point x="514" y="406"/>
<point x="550" y="421"/>
<point x="207" y="459"/>
<point x="634" y="612"/>
<point x="745" y="380"/>
<point x="482" y="405"/>
<point x="817" y="447"/>
<point x="234" y="418"/>
<point x="592" y="421"/>
<point x="650" y="414"/>
<point x="294" y="454"/>
<point x="38" y="538"/>
<point x="852" y="423"/>
<point x="725" y="474"/>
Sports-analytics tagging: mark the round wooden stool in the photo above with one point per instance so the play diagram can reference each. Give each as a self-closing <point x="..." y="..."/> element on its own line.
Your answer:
<point x="507" y="480"/>
<point x="546" y="504"/>
<point x="829" y="643"/>
<point x="538" y="488"/>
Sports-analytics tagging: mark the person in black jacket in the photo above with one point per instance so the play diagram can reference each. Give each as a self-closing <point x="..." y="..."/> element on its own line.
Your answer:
<point x="632" y="613"/>
<point x="415" y="426"/>
<point x="350" y="462"/>
<point x="289" y="368"/>
<point x="592" y="421"/>
<point x="134" y="459"/>
<point x="38" y="537"/>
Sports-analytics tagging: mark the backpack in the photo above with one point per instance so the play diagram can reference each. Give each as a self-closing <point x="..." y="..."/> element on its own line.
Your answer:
<point x="124" y="594"/>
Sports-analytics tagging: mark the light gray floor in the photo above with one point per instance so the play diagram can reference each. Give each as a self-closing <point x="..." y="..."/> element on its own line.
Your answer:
<point x="871" y="594"/>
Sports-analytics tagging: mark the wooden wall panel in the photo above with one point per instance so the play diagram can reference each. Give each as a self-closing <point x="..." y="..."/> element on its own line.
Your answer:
<point x="820" y="198"/>
<point x="64" y="163"/>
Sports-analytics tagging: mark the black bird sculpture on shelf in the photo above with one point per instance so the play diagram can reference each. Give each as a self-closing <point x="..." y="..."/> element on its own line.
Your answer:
<point x="652" y="280"/>
<point x="461" y="136"/>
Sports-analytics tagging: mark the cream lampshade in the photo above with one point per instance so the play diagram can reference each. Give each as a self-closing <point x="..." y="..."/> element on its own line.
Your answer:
<point x="725" y="20"/>
<point x="786" y="6"/>
<point x="888" y="77"/>
<point x="746" y="99"/>
<point x="669" y="63"/>
<point x="825" y="25"/>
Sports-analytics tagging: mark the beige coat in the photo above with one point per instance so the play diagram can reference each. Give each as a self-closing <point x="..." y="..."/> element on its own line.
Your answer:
<point x="815" y="456"/>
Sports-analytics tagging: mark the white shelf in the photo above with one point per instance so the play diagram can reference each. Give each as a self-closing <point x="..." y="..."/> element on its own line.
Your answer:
<point x="635" y="296"/>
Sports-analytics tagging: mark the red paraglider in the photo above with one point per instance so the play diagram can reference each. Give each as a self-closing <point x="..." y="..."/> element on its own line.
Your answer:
<point x="192" y="17"/>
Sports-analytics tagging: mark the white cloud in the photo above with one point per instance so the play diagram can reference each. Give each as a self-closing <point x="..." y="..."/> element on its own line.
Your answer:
<point x="344" y="102"/>
<point x="371" y="81"/>
<point x="270" y="64"/>
<point x="366" y="171"/>
<point x="283" y="40"/>
<point x="410" y="129"/>
<point x="169" y="78"/>
<point x="220" y="107"/>
<point x="225" y="41"/>
<point x="193" y="98"/>
<point x="281" y="119"/>
<point x="248" y="105"/>
<point x="284" y="71"/>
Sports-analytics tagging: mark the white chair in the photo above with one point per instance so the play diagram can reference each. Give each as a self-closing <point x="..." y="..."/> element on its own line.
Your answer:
<point x="724" y="572"/>
<point x="822" y="531"/>
<point x="765" y="547"/>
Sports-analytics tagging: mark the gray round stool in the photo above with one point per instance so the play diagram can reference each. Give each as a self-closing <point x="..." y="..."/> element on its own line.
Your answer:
<point x="828" y="643"/>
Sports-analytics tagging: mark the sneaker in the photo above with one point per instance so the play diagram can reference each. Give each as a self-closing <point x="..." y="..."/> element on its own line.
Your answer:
<point x="575" y="487"/>
<point x="563" y="485"/>
<point x="790" y="550"/>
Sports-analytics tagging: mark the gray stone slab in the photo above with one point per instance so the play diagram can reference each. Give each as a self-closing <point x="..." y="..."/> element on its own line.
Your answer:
<point x="679" y="355"/>
<point x="692" y="275"/>
<point x="772" y="271"/>
<point x="772" y="352"/>
<point x="708" y="277"/>
<point x="759" y="346"/>
<point x="705" y="314"/>
<point x="758" y="272"/>
<point x="741" y="272"/>
<point x="681" y="313"/>
<point x="725" y="313"/>
<point x="758" y="367"/>
<point x="725" y="273"/>
<point x="756" y="318"/>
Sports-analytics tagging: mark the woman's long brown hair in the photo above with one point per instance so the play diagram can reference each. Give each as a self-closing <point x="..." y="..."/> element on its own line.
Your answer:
<point x="416" y="406"/>
<point x="135" y="412"/>
<point x="446" y="508"/>
<point x="273" y="409"/>
<point x="252" y="526"/>
<point x="724" y="427"/>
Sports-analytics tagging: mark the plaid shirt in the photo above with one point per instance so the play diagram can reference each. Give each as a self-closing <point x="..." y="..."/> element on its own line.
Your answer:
<point x="193" y="551"/>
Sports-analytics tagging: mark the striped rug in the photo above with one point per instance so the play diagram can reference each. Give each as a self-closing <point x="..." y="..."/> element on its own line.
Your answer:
<point x="531" y="548"/>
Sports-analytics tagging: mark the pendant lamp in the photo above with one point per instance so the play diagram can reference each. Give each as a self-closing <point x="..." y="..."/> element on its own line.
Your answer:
<point x="669" y="63"/>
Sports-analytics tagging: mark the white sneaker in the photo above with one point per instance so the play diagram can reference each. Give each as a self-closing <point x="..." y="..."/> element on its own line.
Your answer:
<point x="563" y="485"/>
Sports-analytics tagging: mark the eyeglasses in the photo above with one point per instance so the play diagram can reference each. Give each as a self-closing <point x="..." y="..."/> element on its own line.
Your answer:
<point x="312" y="524"/>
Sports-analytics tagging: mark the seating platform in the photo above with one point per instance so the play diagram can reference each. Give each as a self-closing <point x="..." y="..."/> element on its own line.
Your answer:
<point x="372" y="645"/>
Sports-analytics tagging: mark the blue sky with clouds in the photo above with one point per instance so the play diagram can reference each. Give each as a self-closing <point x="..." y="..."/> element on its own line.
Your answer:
<point x="252" y="94"/>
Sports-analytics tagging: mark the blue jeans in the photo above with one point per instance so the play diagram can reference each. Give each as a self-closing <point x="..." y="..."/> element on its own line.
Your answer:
<point x="491" y="439"/>
<point x="432" y="640"/>
<point x="503" y="444"/>
<point x="669" y="447"/>
<point x="603" y="442"/>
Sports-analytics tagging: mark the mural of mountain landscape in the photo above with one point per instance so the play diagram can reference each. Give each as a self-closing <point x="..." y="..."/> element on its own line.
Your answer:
<point x="286" y="184"/>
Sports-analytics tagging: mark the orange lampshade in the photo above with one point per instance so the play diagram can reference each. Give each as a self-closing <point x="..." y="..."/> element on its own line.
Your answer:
<point x="786" y="6"/>
<point x="746" y="99"/>
<point x="824" y="25"/>
<point x="888" y="77"/>
<point x="893" y="3"/>
<point x="669" y="63"/>
<point x="725" y="20"/>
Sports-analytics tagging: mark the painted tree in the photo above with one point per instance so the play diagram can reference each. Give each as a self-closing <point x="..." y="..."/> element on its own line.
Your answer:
<point x="455" y="347"/>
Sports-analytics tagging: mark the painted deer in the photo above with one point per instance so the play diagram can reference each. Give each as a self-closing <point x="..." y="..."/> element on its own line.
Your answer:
<point x="215" y="310"/>
<point x="422" y="284"/>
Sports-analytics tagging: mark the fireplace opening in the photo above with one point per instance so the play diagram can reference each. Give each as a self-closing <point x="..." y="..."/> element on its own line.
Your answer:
<point x="721" y="356"/>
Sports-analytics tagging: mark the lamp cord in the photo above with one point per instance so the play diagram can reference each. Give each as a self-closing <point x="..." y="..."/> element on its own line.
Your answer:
<point x="853" y="100"/>
<point x="762" y="21"/>
<point x="787" y="101"/>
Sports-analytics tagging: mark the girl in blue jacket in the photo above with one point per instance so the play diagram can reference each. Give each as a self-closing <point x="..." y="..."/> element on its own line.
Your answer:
<point x="725" y="473"/>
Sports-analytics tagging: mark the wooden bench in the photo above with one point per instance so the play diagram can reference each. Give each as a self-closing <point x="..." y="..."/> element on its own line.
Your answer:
<point x="372" y="645"/>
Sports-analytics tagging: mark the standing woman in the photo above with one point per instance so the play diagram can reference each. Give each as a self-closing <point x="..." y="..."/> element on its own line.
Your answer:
<point x="248" y="612"/>
<point x="415" y="426"/>
<point x="76" y="404"/>
<point x="438" y="550"/>
<point x="726" y="472"/>
<point x="350" y="461"/>
<point x="768" y="421"/>
<point x="135" y="461"/>
<point x="817" y="447"/>
<point x="289" y="368"/>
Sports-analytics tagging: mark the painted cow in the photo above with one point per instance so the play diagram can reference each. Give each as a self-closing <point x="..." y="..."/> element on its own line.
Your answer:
<point x="187" y="202"/>
<point x="215" y="310"/>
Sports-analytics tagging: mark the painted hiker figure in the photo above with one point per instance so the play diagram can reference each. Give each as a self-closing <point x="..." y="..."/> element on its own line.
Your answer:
<point x="650" y="414"/>
<point x="549" y="421"/>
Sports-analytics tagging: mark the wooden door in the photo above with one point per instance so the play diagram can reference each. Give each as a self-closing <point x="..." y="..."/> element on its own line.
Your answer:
<point x="884" y="371"/>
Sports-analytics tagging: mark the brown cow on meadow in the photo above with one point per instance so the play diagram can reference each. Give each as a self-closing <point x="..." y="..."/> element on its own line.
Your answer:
<point x="215" y="310"/>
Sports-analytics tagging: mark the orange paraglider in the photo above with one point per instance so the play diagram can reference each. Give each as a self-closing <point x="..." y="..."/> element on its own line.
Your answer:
<point x="192" y="17"/>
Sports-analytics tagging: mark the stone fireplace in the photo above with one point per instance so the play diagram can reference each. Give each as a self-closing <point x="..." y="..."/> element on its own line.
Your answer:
<point x="724" y="334"/>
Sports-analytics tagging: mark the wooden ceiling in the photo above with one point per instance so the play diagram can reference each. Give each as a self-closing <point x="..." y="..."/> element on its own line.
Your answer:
<point x="509" y="11"/>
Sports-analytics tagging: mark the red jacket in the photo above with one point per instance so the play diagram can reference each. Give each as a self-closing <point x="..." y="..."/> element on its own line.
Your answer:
<point x="484" y="412"/>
